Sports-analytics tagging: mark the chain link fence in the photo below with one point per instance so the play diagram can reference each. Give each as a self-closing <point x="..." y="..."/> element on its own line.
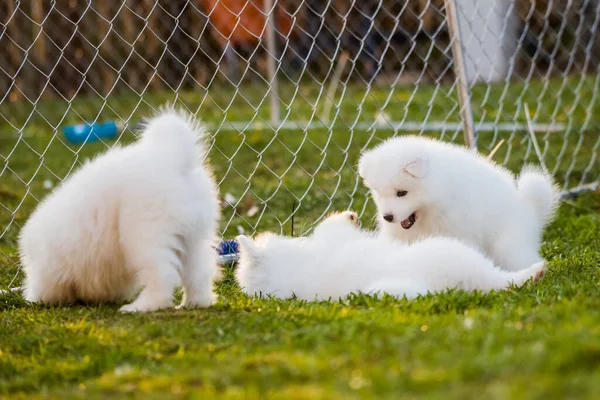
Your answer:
<point x="294" y="89"/>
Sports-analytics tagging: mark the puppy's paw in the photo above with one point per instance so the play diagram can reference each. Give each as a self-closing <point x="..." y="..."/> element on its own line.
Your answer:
<point x="142" y="307"/>
<point x="352" y="217"/>
<point x="539" y="270"/>
<point x="198" y="301"/>
<point x="345" y="216"/>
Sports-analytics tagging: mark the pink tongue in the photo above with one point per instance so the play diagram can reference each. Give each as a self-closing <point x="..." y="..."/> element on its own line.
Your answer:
<point x="406" y="223"/>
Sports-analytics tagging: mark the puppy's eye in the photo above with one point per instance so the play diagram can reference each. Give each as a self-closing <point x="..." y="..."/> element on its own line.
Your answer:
<point x="401" y="193"/>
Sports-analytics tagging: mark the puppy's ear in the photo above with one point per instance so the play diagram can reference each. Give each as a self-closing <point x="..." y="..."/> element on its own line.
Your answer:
<point x="363" y="163"/>
<point x="417" y="168"/>
<point x="247" y="246"/>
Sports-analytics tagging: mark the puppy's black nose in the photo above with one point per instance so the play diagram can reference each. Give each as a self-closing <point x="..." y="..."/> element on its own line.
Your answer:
<point x="388" y="217"/>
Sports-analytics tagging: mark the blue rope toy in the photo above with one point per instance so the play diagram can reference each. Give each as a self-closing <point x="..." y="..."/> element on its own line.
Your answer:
<point x="228" y="251"/>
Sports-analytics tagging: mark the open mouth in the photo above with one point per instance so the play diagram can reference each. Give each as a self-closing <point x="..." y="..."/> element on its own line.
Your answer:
<point x="410" y="221"/>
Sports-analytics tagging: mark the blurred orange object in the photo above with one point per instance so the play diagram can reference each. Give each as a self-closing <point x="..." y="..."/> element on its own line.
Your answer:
<point x="242" y="22"/>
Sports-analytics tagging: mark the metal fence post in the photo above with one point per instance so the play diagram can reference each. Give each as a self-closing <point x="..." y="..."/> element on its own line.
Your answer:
<point x="461" y="75"/>
<point x="270" y="21"/>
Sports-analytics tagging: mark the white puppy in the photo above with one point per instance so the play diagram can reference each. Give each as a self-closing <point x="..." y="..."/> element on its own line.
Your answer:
<point x="424" y="187"/>
<point x="339" y="259"/>
<point x="142" y="216"/>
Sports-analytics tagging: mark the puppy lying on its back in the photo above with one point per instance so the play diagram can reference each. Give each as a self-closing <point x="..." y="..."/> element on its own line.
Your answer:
<point x="137" y="217"/>
<point x="312" y="268"/>
<point x="423" y="187"/>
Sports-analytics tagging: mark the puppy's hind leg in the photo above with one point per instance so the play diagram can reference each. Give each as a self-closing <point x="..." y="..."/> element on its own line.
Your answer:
<point x="34" y="288"/>
<point x="514" y="252"/>
<point x="156" y="269"/>
<point x="47" y="290"/>
<point x="398" y="288"/>
<point x="198" y="274"/>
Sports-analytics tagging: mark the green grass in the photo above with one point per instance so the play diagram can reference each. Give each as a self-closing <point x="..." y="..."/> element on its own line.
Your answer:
<point x="540" y="341"/>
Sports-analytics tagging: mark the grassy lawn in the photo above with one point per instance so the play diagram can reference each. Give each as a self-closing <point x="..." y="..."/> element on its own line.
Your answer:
<point x="541" y="341"/>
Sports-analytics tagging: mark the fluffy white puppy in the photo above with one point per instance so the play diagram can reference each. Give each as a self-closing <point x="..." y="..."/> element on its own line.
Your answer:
<point x="142" y="216"/>
<point x="424" y="187"/>
<point x="339" y="259"/>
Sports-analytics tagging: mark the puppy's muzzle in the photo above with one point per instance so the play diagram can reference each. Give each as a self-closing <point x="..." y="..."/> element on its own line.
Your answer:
<point x="388" y="217"/>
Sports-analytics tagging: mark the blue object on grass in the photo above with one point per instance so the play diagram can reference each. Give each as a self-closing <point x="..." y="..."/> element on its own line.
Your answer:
<point x="228" y="247"/>
<point x="81" y="133"/>
<point x="228" y="251"/>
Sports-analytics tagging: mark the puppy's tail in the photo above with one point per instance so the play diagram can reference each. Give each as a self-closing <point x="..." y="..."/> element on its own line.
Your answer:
<point x="177" y="136"/>
<point x="539" y="189"/>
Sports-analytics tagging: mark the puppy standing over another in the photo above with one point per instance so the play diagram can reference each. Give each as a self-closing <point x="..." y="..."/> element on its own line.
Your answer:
<point x="142" y="216"/>
<point x="424" y="187"/>
<point x="311" y="268"/>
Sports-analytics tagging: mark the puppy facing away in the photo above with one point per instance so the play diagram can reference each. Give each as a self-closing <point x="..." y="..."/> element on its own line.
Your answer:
<point x="423" y="187"/>
<point x="311" y="268"/>
<point x="142" y="216"/>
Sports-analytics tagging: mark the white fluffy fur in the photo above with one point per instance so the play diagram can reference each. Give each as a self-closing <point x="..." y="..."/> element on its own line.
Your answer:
<point x="339" y="259"/>
<point x="142" y="216"/>
<point x="457" y="193"/>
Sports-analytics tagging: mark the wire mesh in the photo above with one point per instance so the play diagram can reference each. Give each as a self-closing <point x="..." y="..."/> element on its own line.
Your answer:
<point x="292" y="91"/>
